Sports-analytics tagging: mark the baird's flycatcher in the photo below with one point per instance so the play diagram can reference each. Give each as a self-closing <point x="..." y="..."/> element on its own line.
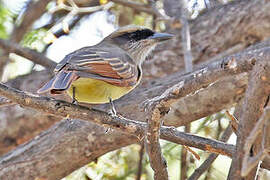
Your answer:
<point x="106" y="71"/>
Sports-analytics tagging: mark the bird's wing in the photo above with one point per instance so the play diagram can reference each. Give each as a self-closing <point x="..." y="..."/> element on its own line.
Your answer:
<point x="111" y="65"/>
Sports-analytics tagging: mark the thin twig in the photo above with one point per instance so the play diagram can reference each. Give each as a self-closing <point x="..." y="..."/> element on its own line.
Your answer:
<point x="32" y="55"/>
<point x="144" y="8"/>
<point x="135" y="5"/>
<point x="186" y="44"/>
<point x="185" y="35"/>
<point x="140" y="166"/>
<point x="157" y="161"/>
<point x="30" y="16"/>
<point x="75" y="10"/>
<point x="211" y="158"/>
<point x="233" y="121"/>
<point x="218" y="132"/>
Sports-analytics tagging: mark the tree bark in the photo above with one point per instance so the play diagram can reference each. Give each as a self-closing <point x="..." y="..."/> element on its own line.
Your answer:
<point x="211" y="34"/>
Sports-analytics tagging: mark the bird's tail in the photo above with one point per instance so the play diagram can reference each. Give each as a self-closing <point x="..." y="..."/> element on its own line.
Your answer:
<point x="59" y="83"/>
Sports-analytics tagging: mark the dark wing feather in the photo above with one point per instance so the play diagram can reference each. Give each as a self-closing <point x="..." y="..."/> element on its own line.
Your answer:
<point x="112" y="65"/>
<point x="59" y="83"/>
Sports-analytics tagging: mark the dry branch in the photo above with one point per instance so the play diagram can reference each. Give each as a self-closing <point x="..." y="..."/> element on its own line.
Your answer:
<point x="199" y="79"/>
<point x="194" y="81"/>
<point x="65" y="109"/>
<point x="212" y="157"/>
<point x="140" y="163"/>
<point x="69" y="144"/>
<point x="260" y="128"/>
<point x="254" y="101"/>
<point x="136" y="6"/>
<point x="62" y="108"/>
<point x="32" y="13"/>
<point x="207" y="76"/>
<point x="32" y="55"/>
<point x="207" y="44"/>
<point x="157" y="161"/>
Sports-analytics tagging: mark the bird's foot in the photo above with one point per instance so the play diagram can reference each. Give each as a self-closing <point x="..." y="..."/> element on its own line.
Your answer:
<point x="112" y="111"/>
<point x="74" y="100"/>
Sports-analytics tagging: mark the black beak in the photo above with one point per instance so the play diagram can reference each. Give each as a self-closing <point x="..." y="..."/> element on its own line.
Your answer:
<point x="161" y="36"/>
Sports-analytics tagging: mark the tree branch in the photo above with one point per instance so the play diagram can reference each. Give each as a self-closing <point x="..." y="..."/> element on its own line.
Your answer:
<point x="65" y="109"/>
<point x="261" y="127"/>
<point x="61" y="108"/>
<point x="69" y="143"/>
<point x="136" y="6"/>
<point x="32" y="13"/>
<point x="212" y="157"/>
<point x="206" y="77"/>
<point x="252" y="108"/>
<point x="32" y="55"/>
<point x="157" y="161"/>
<point x="140" y="163"/>
<point x="199" y="79"/>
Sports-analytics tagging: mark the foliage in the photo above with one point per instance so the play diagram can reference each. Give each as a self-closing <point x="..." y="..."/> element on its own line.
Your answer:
<point x="5" y="21"/>
<point x="35" y="39"/>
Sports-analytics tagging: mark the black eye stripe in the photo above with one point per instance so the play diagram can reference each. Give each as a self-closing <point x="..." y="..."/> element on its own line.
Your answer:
<point x="137" y="35"/>
<point x="140" y="34"/>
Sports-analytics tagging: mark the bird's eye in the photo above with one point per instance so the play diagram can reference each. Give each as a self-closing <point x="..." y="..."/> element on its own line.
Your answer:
<point x="134" y="36"/>
<point x="141" y="34"/>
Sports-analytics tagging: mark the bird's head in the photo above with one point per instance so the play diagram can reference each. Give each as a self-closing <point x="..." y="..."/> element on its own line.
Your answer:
<point x="138" y="42"/>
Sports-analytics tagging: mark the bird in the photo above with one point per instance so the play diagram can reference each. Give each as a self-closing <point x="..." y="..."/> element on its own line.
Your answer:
<point x="105" y="72"/>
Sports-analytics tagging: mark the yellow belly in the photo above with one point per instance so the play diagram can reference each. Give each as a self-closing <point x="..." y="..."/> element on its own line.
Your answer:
<point x="96" y="91"/>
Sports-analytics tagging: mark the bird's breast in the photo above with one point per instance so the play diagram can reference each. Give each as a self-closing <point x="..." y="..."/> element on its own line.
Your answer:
<point x="96" y="91"/>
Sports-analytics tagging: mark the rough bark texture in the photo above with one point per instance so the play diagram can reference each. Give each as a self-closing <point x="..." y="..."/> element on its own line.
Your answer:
<point x="76" y="133"/>
<point x="224" y="94"/>
<point x="253" y="105"/>
<point x="212" y="33"/>
<point x="193" y="82"/>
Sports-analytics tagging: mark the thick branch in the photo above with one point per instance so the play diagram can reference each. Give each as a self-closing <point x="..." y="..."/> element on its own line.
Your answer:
<point x="64" y="109"/>
<point x="60" y="150"/>
<point x="261" y="128"/>
<point x="254" y="101"/>
<point x="223" y="93"/>
<point x="206" y="77"/>
<point x="212" y="36"/>
<point x="244" y="61"/>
